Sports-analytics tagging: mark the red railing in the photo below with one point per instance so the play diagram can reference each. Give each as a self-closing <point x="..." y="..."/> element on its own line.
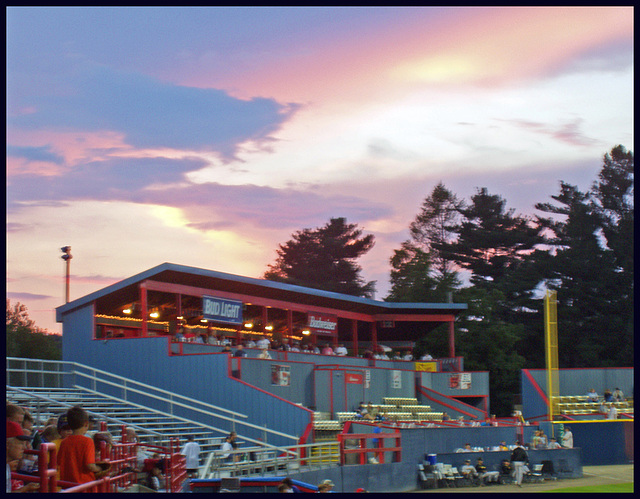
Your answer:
<point x="362" y="450"/>
<point x="123" y="474"/>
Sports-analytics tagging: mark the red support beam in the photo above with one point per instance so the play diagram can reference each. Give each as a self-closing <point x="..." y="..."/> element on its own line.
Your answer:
<point x="452" y="343"/>
<point x="143" y="307"/>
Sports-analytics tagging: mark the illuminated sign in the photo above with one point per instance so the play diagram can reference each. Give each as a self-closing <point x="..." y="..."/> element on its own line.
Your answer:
<point x="221" y="310"/>
<point x="323" y="324"/>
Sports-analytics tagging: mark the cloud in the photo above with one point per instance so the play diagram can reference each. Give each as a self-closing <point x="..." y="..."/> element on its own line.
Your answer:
<point x="43" y="153"/>
<point x="26" y="296"/>
<point x="570" y="132"/>
<point x="152" y="113"/>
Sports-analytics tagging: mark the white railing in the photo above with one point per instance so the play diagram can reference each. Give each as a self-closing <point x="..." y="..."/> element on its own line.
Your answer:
<point x="264" y="459"/>
<point x="129" y="386"/>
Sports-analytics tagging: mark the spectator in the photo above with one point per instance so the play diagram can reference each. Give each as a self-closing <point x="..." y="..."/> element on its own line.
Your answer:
<point x="617" y="395"/>
<point x="426" y="356"/>
<point x="467" y="448"/>
<point x="592" y="396"/>
<point x="327" y="484"/>
<point x="567" y="438"/>
<point x="251" y="343"/>
<point x="408" y="355"/>
<point x="64" y="430"/>
<point x="284" y="346"/>
<point x="240" y="351"/>
<point x="199" y="339"/>
<point x="180" y="334"/>
<point x="228" y="446"/>
<point x="327" y="350"/>
<point x="553" y="444"/>
<point x="484" y="475"/>
<point x="77" y="455"/>
<point x="49" y="434"/>
<point x="613" y="412"/>
<point x="192" y="452"/>
<point x="446" y="417"/>
<point x="608" y="397"/>
<point x="226" y="349"/>
<point x="503" y="446"/>
<point x="212" y="339"/>
<point x="295" y="347"/>
<point x="15" y="413"/>
<point x="189" y="335"/>
<point x="376" y="443"/>
<point x="224" y="340"/>
<point x="264" y="354"/>
<point x="16" y="445"/>
<point x="284" y="488"/>
<point x="368" y="354"/>
<point x="519" y="459"/>
<point x="341" y="351"/>
<point x="292" y="488"/>
<point x="467" y="470"/>
<point x="263" y="343"/>
<point x="314" y="349"/>
<point x="155" y="477"/>
<point x="103" y="456"/>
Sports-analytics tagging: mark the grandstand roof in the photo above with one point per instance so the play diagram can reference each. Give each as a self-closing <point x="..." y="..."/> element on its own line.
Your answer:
<point x="127" y="290"/>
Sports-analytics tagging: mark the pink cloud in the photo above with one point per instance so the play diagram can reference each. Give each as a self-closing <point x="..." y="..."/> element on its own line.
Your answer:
<point x="497" y="44"/>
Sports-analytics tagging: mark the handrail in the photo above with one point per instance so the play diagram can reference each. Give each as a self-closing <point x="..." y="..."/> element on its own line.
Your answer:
<point x="166" y="392"/>
<point x="264" y="429"/>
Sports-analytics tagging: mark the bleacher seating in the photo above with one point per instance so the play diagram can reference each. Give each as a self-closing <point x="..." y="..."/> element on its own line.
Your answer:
<point x="578" y="405"/>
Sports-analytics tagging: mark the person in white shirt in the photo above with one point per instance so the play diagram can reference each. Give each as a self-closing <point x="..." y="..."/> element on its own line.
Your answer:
<point x="192" y="452"/>
<point x="341" y="350"/>
<point x="553" y="444"/>
<point x="250" y="343"/>
<point x="263" y="343"/>
<point x="426" y="356"/>
<point x="408" y="356"/>
<point x="613" y="412"/>
<point x="264" y="354"/>
<point x="567" y="438"/>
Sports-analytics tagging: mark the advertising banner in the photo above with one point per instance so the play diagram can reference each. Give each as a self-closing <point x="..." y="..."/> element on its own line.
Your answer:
<point x="431" y="367"/>
<point x="323" y="324"/>
<point x="396" y="376"/>
<point x="221" y="310"/>
<point x="354" y="379"/>
<point x="460" y="381"/>
<point x="280" y="375"/>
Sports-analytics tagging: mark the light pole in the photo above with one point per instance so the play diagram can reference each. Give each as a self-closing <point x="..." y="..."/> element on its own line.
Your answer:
<point x="67" y="258"/>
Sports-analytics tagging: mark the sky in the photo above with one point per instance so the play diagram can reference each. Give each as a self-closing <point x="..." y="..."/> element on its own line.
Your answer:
<point x="207" y="136"/>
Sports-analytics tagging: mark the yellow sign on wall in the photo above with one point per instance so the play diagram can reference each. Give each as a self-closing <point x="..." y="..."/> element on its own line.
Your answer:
<point x="431" y="367"/>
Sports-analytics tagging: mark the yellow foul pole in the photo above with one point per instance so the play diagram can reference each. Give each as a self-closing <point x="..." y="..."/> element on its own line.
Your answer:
<point x="551" y="351"/>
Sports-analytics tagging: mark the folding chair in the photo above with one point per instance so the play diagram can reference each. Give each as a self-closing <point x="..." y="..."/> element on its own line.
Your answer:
<point x="535" y="475"/>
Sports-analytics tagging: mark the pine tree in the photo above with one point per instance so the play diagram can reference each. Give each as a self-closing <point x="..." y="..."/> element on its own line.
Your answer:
<point x="325" y="258"/>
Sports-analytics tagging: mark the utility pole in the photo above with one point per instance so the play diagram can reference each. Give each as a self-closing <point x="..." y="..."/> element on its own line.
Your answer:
<point x="67" y="258"/>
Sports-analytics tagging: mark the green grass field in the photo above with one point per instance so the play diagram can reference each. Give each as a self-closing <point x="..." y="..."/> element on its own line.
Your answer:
<point x="614" y="487"/>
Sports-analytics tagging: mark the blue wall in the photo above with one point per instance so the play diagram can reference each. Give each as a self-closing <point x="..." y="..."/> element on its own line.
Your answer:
<point x="201" y="377"/>
<point x="571" y="382"/>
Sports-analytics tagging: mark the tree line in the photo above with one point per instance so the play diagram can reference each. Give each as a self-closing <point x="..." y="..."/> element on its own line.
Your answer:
<point x="500" y="263"/>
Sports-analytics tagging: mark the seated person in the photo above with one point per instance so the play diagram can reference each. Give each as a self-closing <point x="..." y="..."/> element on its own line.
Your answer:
<point x="486" y="476"/>
<point x="608" y="397"/>
<point x="553" y="444"/>
<point x="592" y="395"/>
<point x="467" y="470"/>
<point x="264" y="354"/>
<point x="506" y="470"/>
<point x="617" y="395"/>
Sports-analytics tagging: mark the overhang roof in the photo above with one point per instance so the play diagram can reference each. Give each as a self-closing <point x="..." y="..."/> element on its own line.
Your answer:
<point x="127" y="290"/>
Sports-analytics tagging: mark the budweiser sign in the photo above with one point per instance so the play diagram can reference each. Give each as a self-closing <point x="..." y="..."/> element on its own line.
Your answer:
<point x="326" y="324"/>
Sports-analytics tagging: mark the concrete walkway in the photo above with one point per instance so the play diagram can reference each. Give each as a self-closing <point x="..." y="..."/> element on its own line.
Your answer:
<point x="592" y="475"/>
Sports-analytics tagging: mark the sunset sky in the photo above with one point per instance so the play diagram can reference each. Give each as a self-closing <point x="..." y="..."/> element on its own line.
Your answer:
<point x="207" y="136"/>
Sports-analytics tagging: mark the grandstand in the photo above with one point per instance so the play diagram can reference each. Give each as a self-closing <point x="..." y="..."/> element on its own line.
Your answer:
<point x="295" y="414"/>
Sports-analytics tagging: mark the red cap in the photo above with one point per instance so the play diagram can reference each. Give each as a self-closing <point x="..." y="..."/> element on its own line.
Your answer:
<point x="15" y="430"/>
<point x="360" y="490"/>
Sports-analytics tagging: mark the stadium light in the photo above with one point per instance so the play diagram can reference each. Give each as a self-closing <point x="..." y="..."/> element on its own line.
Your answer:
<point x="66" y="250"/>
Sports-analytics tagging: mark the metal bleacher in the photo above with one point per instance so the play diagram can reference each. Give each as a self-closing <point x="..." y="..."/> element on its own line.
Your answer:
<point x="152" y="427"/>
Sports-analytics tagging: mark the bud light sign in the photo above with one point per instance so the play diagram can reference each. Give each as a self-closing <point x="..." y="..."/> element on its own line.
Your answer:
<point x="221" y="310"/>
